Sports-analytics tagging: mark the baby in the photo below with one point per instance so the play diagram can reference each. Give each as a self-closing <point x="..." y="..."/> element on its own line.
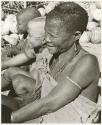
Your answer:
<point x="26" y="84"/>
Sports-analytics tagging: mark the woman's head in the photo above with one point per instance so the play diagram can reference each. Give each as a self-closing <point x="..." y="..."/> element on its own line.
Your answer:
<point x="64" y="25"/>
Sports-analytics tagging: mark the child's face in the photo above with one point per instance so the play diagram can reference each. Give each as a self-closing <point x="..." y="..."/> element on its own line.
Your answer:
<point x="36" y="34"/>
<point x="35" y="41"/>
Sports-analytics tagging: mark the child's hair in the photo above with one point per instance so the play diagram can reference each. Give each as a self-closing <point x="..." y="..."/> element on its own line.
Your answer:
<point x="70" y="14"/>
<point x="29" y="13"/>
<point x="24" y="16"/>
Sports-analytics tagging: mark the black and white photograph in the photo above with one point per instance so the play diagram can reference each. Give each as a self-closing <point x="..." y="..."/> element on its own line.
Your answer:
<point x="51" y="61"/>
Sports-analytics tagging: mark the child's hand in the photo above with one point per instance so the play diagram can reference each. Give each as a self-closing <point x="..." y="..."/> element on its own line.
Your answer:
<point x="3" y="66"/>
<point x="29" y="51"/>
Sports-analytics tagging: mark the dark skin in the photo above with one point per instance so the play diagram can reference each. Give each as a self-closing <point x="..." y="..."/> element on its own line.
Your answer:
<point x="23" y="90"/>
<point x="65" y="91"/>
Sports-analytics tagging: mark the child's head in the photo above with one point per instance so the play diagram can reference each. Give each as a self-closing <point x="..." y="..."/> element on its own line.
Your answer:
<point x="36" y="32"/>
<point x="24" y="16"/>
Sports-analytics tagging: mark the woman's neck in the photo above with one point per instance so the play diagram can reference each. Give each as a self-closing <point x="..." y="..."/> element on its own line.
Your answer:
<point x="68" y="53"/>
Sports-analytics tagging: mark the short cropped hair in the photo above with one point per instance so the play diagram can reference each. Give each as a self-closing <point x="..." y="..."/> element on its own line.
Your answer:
<point x="70" y="14"/>
<point x="29" y="13"/>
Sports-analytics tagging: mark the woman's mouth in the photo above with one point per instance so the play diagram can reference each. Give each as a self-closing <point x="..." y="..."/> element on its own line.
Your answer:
<point x="50" y="45"/>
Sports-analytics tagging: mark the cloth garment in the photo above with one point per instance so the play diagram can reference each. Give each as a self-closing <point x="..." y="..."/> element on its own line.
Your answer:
<point x="42" y="65"/>
<point x="42" y="61"/>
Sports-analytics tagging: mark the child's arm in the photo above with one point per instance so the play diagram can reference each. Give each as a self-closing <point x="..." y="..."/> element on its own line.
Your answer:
<point x="15" y="61"/>
<point x="20" y="59"/>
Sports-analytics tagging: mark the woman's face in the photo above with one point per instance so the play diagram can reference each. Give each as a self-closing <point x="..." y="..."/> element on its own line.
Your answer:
<point x="56" y="36"/>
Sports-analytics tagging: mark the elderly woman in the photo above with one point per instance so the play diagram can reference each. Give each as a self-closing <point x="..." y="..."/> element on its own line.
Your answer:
<point x="72" y="82"/>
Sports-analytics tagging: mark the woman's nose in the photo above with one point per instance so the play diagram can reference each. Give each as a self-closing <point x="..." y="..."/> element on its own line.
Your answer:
<point x="47" y="39"/>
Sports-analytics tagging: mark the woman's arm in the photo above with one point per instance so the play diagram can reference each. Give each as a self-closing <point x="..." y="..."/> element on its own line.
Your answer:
<point x="85" y="71"/>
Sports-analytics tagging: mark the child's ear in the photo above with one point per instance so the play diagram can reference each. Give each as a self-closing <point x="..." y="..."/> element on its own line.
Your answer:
<point x="77" y="35"/>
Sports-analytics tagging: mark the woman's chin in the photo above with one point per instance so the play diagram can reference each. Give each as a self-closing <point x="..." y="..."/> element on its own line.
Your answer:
<point x="52" y="50"/>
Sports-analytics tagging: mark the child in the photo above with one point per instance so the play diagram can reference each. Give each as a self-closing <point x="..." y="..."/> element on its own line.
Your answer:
<point x="26" y="85"/>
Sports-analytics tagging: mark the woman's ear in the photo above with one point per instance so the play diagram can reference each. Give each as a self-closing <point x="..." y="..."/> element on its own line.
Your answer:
<point x="77" y="35"/>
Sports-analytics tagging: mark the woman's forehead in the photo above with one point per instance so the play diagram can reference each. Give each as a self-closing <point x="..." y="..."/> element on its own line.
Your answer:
<point x="55" y="26"/>
<point x="53" y="22"/>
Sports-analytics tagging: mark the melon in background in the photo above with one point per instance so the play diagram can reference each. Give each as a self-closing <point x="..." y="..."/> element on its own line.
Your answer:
<point x="90" y="16"/>
<point x="98" y="5"/>
<point x="13" y="27"/>
<point x="12" y="22"/>
<point x="9" y="25"/>
<point x="15" y="36"/>
<point x="96" y="35"/>
<point x="91" y="10"/>
<point x="14" y="39"/>
<point x="5" y="27"/>
<point x="97" y="14"/>
<point x="85" y="38"/>
<point x="94" y="12"/>
<point x="11" y="39"/>
<point x="91" y="25"/>
<point x="11" y="17"/>
<point x="51" y="6"/>
<point x="42" y="11"/>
